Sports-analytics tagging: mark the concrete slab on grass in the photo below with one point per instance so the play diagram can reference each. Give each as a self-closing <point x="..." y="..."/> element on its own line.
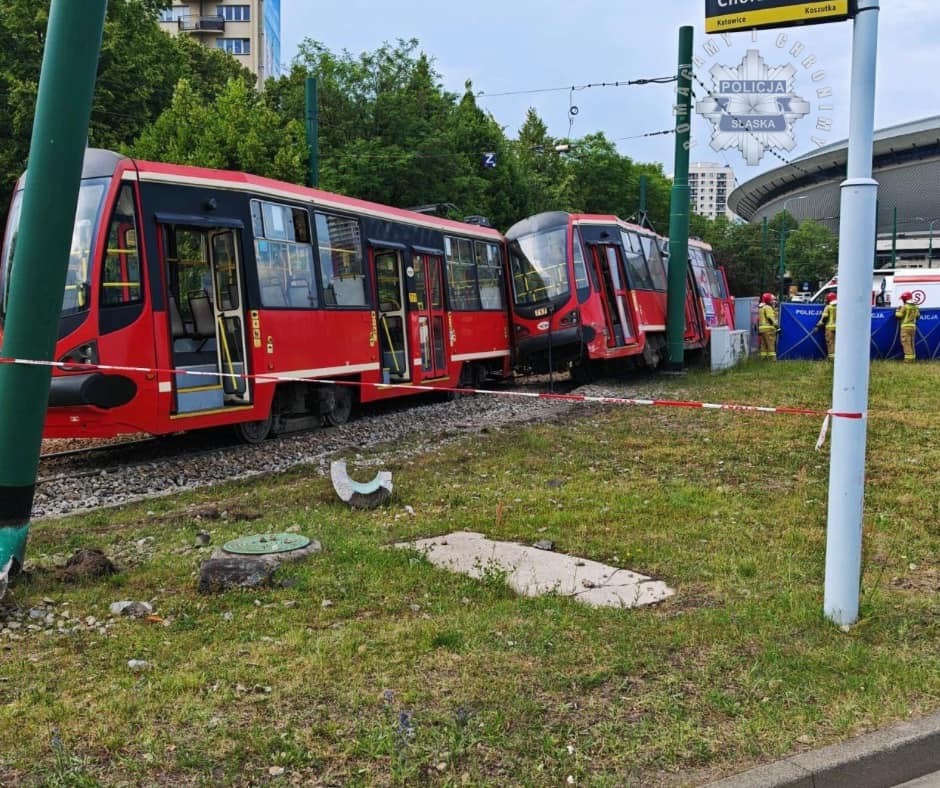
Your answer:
<point x="533" y="572"/>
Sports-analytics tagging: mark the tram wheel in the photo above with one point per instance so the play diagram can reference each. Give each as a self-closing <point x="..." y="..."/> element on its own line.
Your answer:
<point x="342" y="407"/>
<point x="582" y="373"/>
<point x="254" y="431"/>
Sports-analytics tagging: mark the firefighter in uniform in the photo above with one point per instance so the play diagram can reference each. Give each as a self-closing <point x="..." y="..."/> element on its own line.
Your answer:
<point x="828" y="321"/>
<point x="907" y="314"/>
<point x="767" y="326"/>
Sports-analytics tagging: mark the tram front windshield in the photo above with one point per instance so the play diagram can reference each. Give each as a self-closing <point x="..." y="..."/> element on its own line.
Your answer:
<point x="77" y="281"/>
<point x="539" y="267"/>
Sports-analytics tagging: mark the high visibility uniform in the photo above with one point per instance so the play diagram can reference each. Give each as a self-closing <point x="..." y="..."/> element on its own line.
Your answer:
<point x="767" y="330"/>
<point x="907" y="314"/>
<point x="828" y="319"/>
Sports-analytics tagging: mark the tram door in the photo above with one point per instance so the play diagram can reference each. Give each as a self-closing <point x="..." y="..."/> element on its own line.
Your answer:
<point x="206" y="310"/>
<point x="694" y="323"/>
<point x="393" y="338"/>
<point x="608" y="263"/>
<point x="429" y="313"/>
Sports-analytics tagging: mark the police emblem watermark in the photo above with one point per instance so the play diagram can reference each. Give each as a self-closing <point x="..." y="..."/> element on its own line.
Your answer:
<point x="758" y="104"/>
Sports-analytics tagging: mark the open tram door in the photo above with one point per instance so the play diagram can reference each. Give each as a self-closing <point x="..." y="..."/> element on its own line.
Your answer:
<point x="695" y="321"/>
<point x="428" y="313"/>
<point x="608" y="264"/>
<point x="206" y="314"/>
<point x="392" y="316"/>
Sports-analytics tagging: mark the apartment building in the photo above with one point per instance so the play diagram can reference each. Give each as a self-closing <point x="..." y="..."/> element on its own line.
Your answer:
<point x="250" y="30"/>
<point x="709" y="187"/>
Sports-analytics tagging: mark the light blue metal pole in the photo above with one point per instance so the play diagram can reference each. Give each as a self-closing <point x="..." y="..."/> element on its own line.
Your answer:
<point x="850" y="376"/>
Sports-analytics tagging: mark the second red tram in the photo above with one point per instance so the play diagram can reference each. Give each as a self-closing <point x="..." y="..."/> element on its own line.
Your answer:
<point x="590" y="290"/>
<point x="225" y="288"/>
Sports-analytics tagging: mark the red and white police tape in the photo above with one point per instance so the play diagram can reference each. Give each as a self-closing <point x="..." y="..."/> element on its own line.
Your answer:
<point x="543" y="395"/>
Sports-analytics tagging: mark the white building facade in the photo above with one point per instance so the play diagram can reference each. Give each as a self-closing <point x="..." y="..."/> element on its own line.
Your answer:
<point x="709" y="187"/>
<point x="249" y="30"/>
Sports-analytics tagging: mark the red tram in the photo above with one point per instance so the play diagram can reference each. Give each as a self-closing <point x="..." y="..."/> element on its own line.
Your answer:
<point x="590" y="290"/>
<point x="208" y="281"/>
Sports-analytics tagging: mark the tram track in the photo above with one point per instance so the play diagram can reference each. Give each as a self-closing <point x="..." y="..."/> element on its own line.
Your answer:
<point x="78" y="481"/>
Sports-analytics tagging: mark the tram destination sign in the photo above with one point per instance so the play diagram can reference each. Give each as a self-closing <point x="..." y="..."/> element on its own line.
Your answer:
<point x="726" y="16"/>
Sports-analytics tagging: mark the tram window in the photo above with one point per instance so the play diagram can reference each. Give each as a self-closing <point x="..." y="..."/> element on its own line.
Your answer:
<point x="538" y="266"/>
<point x="705" y="275"/>
<point x="461" y="277"/>
<point x="637" y="273"/>
<point x="718" y="283"/>
<point x="490" y="275"/>
<point x="342" y="273"/>
<point x="120" y="275"/>
<point x="283" y="255"/>
<point x="581" y="282"/>
<point x="654" y="262"/>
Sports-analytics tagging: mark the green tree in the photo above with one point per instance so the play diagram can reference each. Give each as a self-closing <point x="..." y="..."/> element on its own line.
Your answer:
<point x="236" y="131"/>
<point x="138" y="67"/>
<point x="812" y="251"/>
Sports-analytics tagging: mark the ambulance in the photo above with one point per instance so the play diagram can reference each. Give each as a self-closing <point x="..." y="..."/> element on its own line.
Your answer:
<point x="888" y="284"/>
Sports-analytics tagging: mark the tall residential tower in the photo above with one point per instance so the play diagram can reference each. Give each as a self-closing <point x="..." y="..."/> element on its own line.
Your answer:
<point x="709" y="186"/>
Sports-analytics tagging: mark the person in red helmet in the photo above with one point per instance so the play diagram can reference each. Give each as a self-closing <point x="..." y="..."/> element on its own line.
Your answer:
<point x="828" y="321"/>
<point x="767" y="326"/>
<point x="907" y="314"/>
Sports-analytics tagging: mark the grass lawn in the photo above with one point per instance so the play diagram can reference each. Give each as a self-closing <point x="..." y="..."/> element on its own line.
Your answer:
<point x="367" y="666"/>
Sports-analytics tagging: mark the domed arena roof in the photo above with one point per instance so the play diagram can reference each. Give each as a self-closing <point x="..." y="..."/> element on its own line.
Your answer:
<point x="906" y="164"/>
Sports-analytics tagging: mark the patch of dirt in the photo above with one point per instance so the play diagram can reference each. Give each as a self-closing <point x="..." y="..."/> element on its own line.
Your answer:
<point x="86" y="565"/>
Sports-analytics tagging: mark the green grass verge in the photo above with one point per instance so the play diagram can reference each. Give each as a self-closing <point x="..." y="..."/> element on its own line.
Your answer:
<point x="412" y="674"/>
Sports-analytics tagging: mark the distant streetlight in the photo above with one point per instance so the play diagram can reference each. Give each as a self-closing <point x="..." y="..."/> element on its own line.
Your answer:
<point x="783" y="242"/>
<point x="930" y="244"/>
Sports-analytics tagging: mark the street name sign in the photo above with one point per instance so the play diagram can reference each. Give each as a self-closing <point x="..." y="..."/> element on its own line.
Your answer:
<point x="726" y="16"/>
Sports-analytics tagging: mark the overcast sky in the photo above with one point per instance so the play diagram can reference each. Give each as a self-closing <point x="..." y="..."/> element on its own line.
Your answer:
<point x="517" y="47"/>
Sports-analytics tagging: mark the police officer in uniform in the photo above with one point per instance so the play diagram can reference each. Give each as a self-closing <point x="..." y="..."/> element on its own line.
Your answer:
<point x="767" y="326"/>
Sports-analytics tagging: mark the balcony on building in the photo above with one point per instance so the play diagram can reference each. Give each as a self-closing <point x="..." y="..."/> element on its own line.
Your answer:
<point x="196" y="23"/>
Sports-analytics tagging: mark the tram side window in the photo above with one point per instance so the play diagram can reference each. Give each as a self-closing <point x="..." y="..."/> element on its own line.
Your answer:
<point x="637" y="273"/>
<point x="581" y="281"/>
<point x="342" y="272"/>
<point x="120" y="277"/>
<point x="654" y="262"/>
<point x="284" y="255"/>
<point x="705" y="276"/>
<point x="461" y="277"/>
<point x="490" y="275"/>
<point x="718" y="282"/>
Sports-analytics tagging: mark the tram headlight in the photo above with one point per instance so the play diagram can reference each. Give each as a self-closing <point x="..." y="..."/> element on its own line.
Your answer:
<point x="85" y="353"/>
<point x="521" y="331"/>
<point x="571" y="319"/>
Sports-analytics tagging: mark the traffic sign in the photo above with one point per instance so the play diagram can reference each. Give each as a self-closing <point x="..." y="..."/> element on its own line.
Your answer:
<point x="726" y="16"/>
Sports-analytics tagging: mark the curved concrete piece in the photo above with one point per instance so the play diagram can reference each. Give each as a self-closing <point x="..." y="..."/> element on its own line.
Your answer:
<point x="360" y="495"/>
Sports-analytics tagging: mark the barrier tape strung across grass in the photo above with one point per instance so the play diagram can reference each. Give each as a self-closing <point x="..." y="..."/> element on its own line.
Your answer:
<point x="542" y="395"/>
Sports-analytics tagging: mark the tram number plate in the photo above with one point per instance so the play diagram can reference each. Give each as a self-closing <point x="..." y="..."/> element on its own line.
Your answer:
<point x="541" y="312"/>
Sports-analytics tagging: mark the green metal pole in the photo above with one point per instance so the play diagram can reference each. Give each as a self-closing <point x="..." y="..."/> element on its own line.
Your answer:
<point x="37" y="280"/>
<point x="679" y="210"/>
<point x="313" y="130"/>
<point x="763" y="250"/>
<point x="642" y="213"/>
<point x="783" y="256"/>
<point x="894" y="236"/>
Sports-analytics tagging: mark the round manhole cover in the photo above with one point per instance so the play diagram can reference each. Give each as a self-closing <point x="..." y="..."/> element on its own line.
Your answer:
<point x="259" y="544"/>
